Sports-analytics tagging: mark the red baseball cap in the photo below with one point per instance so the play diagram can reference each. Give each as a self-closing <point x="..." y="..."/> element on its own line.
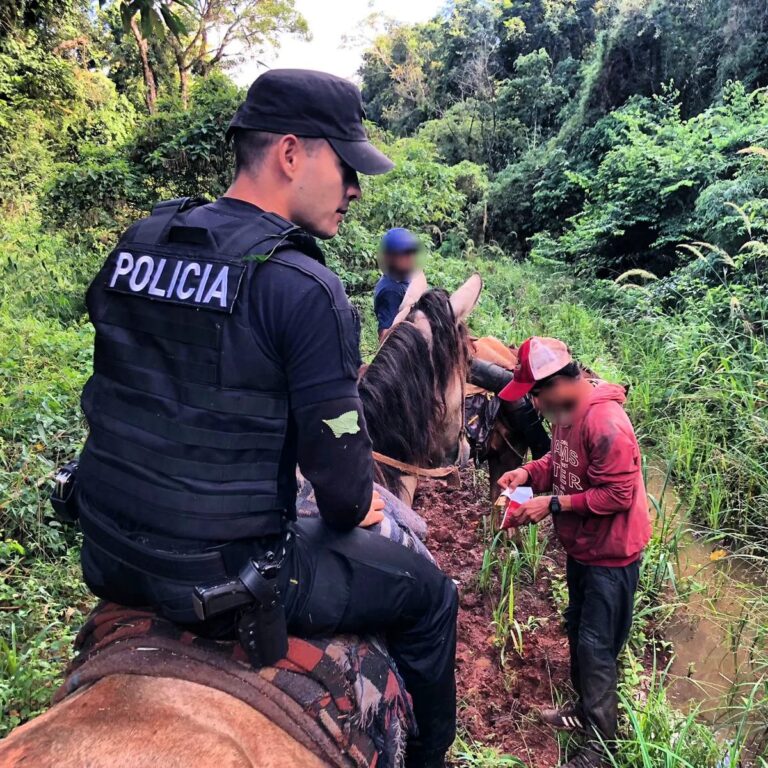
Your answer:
<point x="537" y="358"/>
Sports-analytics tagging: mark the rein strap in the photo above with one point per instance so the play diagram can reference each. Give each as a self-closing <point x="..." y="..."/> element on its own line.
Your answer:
<point x="414" y="471"/>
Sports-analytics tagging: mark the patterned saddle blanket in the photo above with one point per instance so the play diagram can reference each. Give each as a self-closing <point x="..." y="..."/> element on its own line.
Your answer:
<point x="341" y="697"/>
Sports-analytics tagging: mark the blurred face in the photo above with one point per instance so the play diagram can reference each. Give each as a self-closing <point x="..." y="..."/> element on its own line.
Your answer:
<point x="561" y="399"/>
<point x="322" y="189"/>
<point x="401" y="263"/>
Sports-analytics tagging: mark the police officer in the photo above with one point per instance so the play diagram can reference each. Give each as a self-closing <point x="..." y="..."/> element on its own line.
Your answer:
<point x="226" y="353"/>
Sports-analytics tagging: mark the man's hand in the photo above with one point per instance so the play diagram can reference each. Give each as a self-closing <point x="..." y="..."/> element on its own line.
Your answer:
<point x="375" y="513"/>
<point x="531" y="512"/>
<point x="510" y="480"/>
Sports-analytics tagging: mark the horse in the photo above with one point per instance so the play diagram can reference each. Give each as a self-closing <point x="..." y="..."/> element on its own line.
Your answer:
<point x="416" y="421"/>
<point x="135" y="720"/>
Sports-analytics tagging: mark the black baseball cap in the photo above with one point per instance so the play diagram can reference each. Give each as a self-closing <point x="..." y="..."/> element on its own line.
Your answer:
<point x="312" y="105"/>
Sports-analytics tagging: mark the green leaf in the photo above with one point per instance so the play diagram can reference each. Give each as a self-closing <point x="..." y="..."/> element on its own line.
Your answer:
<point x="346" y="424"/>
<point x="172" y="21"/>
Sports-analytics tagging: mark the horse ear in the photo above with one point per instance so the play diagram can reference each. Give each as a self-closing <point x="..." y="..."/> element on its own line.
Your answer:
<point x="416" y="289"/>
<point x="464" y="299"/>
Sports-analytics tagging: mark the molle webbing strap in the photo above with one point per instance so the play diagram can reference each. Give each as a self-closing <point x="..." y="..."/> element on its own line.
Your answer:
<point x="148" y="318"/>
<point x="220" y="505"/>
<point x="245" y="403"/>
<point x="170" y="429"/>
<point x="107" y="442"/>
<point x="198" y="372"/>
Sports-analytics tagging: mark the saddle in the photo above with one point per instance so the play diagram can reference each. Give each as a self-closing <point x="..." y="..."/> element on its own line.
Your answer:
<point x="481" y="407"/>
<point x="340" y="697"/>
<point x="492" y="350"/>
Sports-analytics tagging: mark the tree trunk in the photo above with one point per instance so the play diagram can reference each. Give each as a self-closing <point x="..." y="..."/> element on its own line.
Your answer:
<point x="150" y="81"/>
<point x="184" y="85"/>
<point x="183" y="67"/>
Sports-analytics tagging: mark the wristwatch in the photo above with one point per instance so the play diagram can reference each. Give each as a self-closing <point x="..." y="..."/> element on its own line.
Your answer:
<point x="554" y="505"/>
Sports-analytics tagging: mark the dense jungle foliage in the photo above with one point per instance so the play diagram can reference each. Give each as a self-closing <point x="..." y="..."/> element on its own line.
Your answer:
<point x="603" y="163"/>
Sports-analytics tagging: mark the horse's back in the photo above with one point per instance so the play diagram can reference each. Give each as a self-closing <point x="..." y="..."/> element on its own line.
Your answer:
<point x="134" y="721"/>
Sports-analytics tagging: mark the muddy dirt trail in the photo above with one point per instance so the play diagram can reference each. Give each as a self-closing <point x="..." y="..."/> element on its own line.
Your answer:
<point x="497" y="707"/>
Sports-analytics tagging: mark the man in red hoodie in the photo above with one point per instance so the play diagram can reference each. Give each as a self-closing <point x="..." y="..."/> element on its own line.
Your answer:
<point x="595" y="493"/>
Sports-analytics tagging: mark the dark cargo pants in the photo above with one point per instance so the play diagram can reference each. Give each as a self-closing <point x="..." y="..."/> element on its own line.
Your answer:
<point x="361" y="582"/>
<point x="598" y="620"/>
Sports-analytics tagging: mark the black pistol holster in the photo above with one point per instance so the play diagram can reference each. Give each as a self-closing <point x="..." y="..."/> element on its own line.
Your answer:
<point x="261" y="627"/>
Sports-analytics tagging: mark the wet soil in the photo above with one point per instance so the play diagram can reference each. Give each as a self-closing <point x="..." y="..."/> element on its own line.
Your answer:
<point x="497" y="704"/>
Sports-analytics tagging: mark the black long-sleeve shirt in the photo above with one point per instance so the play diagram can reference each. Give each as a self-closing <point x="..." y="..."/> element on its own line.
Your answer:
<point x="314" y="333"/>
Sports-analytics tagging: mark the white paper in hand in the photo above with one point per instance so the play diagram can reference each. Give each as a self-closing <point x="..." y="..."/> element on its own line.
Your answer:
<point x="515" y="498"/>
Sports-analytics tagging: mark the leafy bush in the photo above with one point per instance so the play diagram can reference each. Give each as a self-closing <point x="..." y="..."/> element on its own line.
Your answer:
<point x="184" y="152"/>
<point x="43" y="368"/>
<point x="659" y="173"/>
<point x="99" y="193"/>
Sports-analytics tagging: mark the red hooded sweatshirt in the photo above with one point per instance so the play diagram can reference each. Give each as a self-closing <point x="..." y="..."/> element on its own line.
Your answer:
<point x="596" y="461"/>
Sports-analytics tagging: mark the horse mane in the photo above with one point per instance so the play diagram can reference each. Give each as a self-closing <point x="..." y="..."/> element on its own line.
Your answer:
<point x="403" y="389"/>
<point x="398" y="401"/>
<point x="450" y="342"/>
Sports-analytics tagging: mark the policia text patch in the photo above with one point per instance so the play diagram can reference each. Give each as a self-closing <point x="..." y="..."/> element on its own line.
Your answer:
<point x="205" y="284"/>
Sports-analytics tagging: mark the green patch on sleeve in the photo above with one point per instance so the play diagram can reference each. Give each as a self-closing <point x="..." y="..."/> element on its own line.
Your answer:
<point x="346" y="424"/>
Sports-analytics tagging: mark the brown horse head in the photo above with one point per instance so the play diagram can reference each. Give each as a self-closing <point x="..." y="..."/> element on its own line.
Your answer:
<point x="413" y="390"/>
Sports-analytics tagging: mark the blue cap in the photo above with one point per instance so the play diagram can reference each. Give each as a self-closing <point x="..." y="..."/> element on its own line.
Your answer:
<point x="399" y="240"/>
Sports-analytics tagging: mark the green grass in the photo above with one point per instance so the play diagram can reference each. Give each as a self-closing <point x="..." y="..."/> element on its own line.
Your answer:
<point x="44" y="603"/>
<point x="467" y="753"/>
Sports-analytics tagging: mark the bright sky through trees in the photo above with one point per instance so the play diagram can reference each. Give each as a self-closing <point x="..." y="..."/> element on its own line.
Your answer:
<point x="329" y="22"/>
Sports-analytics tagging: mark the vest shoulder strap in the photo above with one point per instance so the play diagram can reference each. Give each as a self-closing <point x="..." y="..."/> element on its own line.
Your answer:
<point x="297" y="259"/>
<point x="270" y="234"/>
<point x="257" y="239"/>
<point x="154" y="227"/>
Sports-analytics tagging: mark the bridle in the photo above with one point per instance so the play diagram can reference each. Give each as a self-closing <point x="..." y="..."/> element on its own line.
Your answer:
<point x="449" y="474"/>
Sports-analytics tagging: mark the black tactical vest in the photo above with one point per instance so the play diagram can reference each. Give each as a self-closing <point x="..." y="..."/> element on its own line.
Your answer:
<point x="188" y="416"/>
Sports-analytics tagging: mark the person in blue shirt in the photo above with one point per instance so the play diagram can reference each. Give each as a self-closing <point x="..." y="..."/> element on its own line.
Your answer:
<point x="399" y="252"/>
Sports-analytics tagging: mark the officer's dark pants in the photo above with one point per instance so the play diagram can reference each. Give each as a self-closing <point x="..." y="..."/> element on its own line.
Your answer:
<point x="598" y="620"/>
<point x="361" y="582"/>
<point x="340" y="582"/>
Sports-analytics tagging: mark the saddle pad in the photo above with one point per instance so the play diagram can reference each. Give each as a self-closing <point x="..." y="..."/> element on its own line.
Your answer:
<point x="493" y="350"/>
<point x="340" y="697"/>
<point x="400" y="524"/>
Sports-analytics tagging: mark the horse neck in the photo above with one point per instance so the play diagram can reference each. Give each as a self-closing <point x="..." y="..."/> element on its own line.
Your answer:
<point x="397" y="393"/>
<point x="408" y="419"/>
